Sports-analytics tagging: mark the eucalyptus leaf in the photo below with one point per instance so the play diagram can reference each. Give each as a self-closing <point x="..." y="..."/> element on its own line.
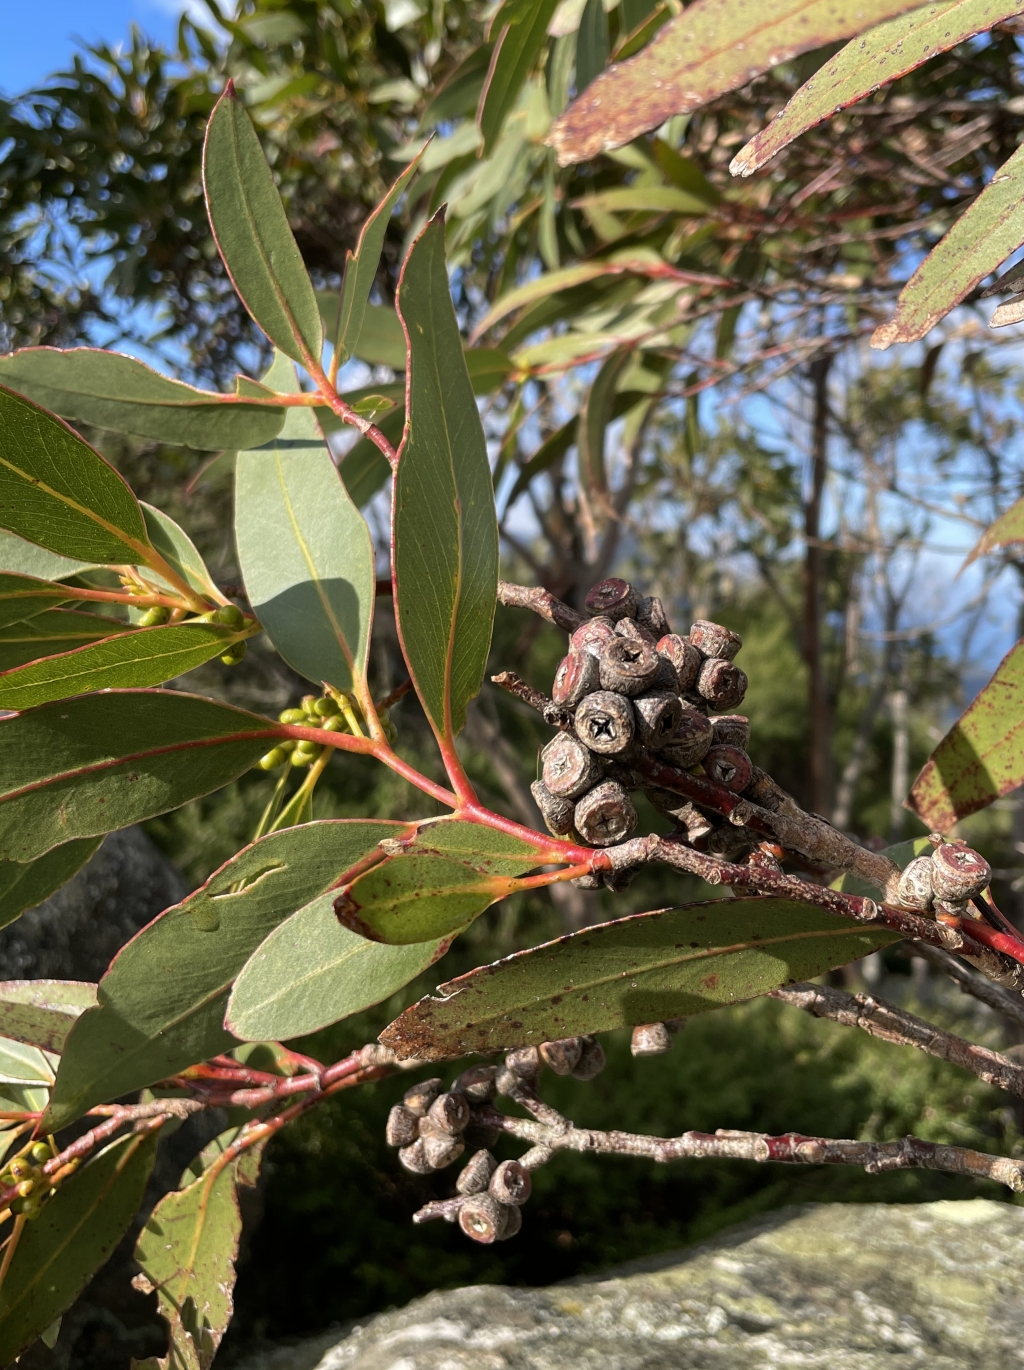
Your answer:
<point x="364" y="467"/>
<point x="22" y="597"/>
<point x="43" y="1012"/>
<point x="179" y="551"/>
<point x="24" y="885"/>
<point x="51" y="632"/>
<point x="29" y="560"/>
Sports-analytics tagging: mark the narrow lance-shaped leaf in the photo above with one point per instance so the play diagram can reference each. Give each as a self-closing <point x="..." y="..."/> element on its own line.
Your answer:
<point x="520" y="27"/>
<point x="179" y="551"/>
<point x="647" y="968"/>
<point x="444" y="524"/>
<point x="54" y="631"/>
<point x="305" y="550"/>
<point x="55" y="490"/>
<point x="253" y="236"/>
<point x="113" y="391"/>
<point x="26" y="559"/>
<point x="23" y="885"/>
<point x="980" y="240"/>
<point x="364" y="467"/>
<point x="594" y="420"/>
<point x="71" y="1238"/>
<point x="982" y="755"/>
<point x="591" y="43"/>
<point x="1008" y="528"/>
<point x="127" y="660"/>
<point x="22" y="597"/>
<point x="713" y="47"/>
<point x="380" y="341"/>
<point x="88" y="766"/>
<point x="43" y="1012"/>
<point x="162" y="1002"/>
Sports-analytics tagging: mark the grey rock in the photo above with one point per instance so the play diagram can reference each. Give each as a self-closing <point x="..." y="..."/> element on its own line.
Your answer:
<point x="74" y="934"/>
<point x="856" y="1286"/>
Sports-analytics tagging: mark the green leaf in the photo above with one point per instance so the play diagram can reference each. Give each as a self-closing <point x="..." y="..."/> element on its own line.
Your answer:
<point x="117" y="392"/>
<point x="1008" y="528"/>
<point x="71" y="1238"/>
<point x="644" y="199"/>
<point x="24" y="885"/>
<point x="22" y="597"/>
<point x="364" y="468"/>
<point x="381" y="340"/>
<point x="592" y="44"/>
<point x="361" y="268"/>
<point x="55" y="630"/>
<point x="305" y="550"/>
<point x="311" y="972"/>
<point x="179" y="551"/>
<point x="489" y="368"/>
<point x="162" y="1002"/>
<point x="459" y="93"/>
<point x="643" y="969"/>
<point x="982" y="755"/>
<point x="594" y="420"/>
<point x="982" y="238"/>
<point x="129" y="660"/>
<point x="22" y="1064"/>
<point x="702" y="53"/>
<point x="881" y="55"/>
<point x="55" y="490"/>
<point x="253" y="236"/>
<point x="485" y="849"/>
<point x="87" y="766"/>
<point x="27" y="559"/>
<point x="187" y="1252"/>
<point x="519" y="44"/>
<point x="445" y="527"/>
<point x="567" y="278"/>
<point x="43" y="1012"/>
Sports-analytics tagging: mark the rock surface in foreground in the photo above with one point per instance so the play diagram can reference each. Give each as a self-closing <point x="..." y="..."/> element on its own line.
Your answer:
<point x="858" y="1286"/>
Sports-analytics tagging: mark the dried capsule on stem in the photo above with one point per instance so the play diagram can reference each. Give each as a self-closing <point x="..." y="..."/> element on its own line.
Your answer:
<point x="629" y="627"/>
<point x="612" y="598"/>
<point x="414" y="1158"/>
<point x="732" y="730"/>
<point x="483" y="1219"/>
<point x="658" y="715"/>
<point x="513" y="1222"/>
<point x="556" y="810"/>
<point x="590" y="636"/>
<point x="606" y="815"/>
<point x="627" y="667"/>
<point x="729" y="767"/>
<point x="511" y="1184"/>
<point x="650" y="1039"/>
<point x="480" y="1134"/>
<point x="605" y="722"/>
<point x="440" y="1148"/>
<point x="476" y="1173"/>
<point x="418" y="1098"/>
<point x="721" y="683"/>
<point x="568" y="768"/>
<point x="524" y="1062"/>
<point x="578" y="675"/>
<point x="402" y="1127"/>
<point x="684" y="657"/>
<point x="692" y="739"/>
<point x="915" y="890"/>
<point x="650" y="614"/>
<point x="590" y="881"/>
<point x="958" y="872"/>
<point x="449" y="1113"/>
<point x="562" y="1056"/>
<point x="711" y="639"/>
<point x="592" y="1059"/>
<point x="477" y="1083"/>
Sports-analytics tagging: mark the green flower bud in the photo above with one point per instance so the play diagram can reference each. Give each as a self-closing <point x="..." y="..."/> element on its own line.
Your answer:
<point x="230" y="615"/>
<point x="234" y="654"/>
<point x="300" y="758"/>
<point x="25" y="1188"/>
<point x="306" y="748"/>
<point x="158" y="614"/>
<point x="326" y="707"/>
<point x="40" y="1153"/>
<point x="336" y="724"/>
<point x="277" y="757"/>
<point x="292" y="716"/>
<point x="309" y="705"/>
<point x="19" y="1169"/>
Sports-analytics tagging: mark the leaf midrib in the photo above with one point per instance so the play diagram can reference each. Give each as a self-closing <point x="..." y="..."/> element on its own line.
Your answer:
<point x="143" y="548"/>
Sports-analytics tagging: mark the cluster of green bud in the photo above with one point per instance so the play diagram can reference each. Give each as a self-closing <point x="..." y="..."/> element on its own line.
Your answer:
<point x="323" y="712"/>
<point x="24" y="1172"/>
<point x="228" y="616"/>
<point x="152" y="618"/>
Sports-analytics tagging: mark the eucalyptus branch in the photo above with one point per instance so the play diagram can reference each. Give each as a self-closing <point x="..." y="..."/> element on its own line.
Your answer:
<point x="979" y="986"/>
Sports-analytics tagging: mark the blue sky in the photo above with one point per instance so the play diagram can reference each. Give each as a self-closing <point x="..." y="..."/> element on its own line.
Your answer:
<point x="36" y="39"/>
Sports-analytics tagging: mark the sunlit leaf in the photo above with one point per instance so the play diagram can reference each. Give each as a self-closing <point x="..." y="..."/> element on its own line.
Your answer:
<point x="520" y="29"/>
<point x="51" y="632"/>
<point x="43" y="1012"/>
<point x="1007" y="529"/>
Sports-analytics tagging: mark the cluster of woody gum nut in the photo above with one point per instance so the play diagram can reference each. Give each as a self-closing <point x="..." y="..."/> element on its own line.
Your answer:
<point x="632" y="689"/>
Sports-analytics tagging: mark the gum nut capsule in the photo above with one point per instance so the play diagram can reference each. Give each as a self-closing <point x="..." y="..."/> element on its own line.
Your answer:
<point x="524" y="1063"/>
<point x="658" y="714"/>
<point x="561" y="1056"/>
<point x="418" y="1098"/>
<point x="477" y="1083"/>
<point x="728" y="766"/>
<point x="666" y="679"/>
<point x="650" y="1039"/>
<point x="959" y="872"/>
<point x="556" y="811"/>
<point x="650" y="614"/>
<point x="483" y="1219"/>
<point x="629" y="627"/>
<point x="627" y="667"/>
<point x="402" y="1127"/>
<point x="605" y="722"/>
<point x="513" y="1223"/>
<point x="592" y="1059"/>
<point x="606" y="815"/>
<point x="568" y="768"/>
<point x="684" y="657"/>
<point x="578" y="675"/>
<point x="440" y="1148"/>
<point x="476" y="1173"/>
<point x="511" y="1184"/>
<point x="915" y="889"/>
<point x="731" y="730"/>
<point x="691" y="741"/>
<point x="711" y="639"/>
<point x="589" y="636"/>
<point x="721" y="683"/>
<point x="480" y="1135"/>
<point x="414" y="1158"/>
<point x="449" y="1113"/>
<point x="612" y="598"/>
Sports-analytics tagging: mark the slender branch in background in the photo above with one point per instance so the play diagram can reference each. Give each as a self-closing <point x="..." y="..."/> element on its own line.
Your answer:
<point x="1007" y="1004"/>
<point x="818" y="704"/>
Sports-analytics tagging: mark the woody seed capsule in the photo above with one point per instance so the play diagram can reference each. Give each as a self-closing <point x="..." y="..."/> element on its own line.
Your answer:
<point x="612" y="598"/>
<point x="440" y="1148"/>
<point x="402" y="1127"/>
<point x="629" y="627"/>
<point x="567" y="767"/>
<point x="684" y="657"/>
<point x="712" y="639"/>
<point x="915" y="888"/>
<point x="728" y="767"/>
<point x="524" y="1062"/>
<point x="958" y="873"/>
<point x="605" y="722"/>
<point x="477" y="1083"/>
<point x="721" y="683"/>
<point x="418" y="1098"/>
<point x="513" y="1222"/>
<point x="481" y="1135"/>
<point x="449" y="1113"/>
<point x="650" y="614"/>
<point x="691" y="740"/>
<point x="732" y="730"/>
<point x="658" y="715"/>
<point x="511" y="1184"/>
<point x="476" y="1173"/>
<point x="650" y="1039"/>
<point x="414" y="1158"/>
<point x="483" y="1219"/>
<point x="606" y="815"/>
<point x="562" y="1056"/>
<point x="578" y="675"/>
<point x="592" y="1060"/>
<point x="556" y="810"/>
<point x="590" y="636"/>
<point x="626" y="666"/>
